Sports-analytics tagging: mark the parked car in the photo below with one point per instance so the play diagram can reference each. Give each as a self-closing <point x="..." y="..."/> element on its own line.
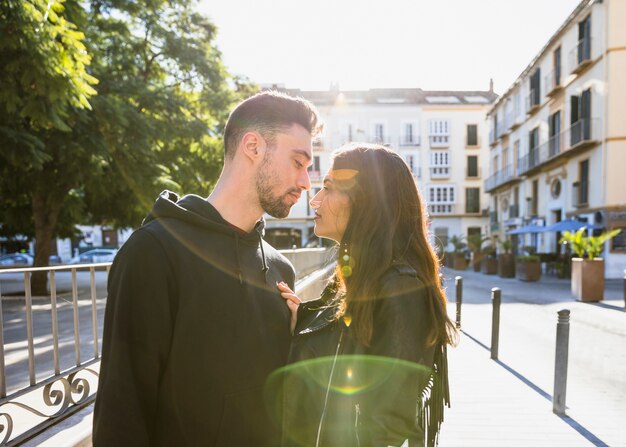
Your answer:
<point x="16" y="260"/>
<point x="94" y="256"/>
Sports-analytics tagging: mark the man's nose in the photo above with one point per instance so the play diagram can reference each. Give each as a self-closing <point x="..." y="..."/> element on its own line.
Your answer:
<point x="304" y="181"/>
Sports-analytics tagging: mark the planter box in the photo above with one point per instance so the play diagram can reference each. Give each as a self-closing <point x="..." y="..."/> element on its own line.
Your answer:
<point x="489" y="266"/>
<point x="528" y="271"/>
<point x="588" y="279"/>
<point x="506" y="265"/>
<point x="460" y="263"/>
<point x="477" y="258"/>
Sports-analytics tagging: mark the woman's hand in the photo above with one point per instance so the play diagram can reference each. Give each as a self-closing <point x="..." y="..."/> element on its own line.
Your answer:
<point x="292" y="302"/>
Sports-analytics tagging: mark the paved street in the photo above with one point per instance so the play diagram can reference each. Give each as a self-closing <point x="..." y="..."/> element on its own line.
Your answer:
<point x="508" y="402"/>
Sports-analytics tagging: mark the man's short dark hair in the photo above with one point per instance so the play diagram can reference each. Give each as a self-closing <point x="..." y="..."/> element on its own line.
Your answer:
<point x="268" y="113"/>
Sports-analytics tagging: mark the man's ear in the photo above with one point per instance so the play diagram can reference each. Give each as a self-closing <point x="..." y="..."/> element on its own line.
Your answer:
<point x="252" y="146"/>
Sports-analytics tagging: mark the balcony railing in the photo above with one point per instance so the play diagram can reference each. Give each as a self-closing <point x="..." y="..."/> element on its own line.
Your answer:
<point x="500" y="178"/>
<point x="580" y="55"/>
<point x="513" y="211"/>
<point x="533" y="101"/>
<point x="409" y="140"/>
<point x="439" y="172"/>
<point x="439" y="140"/>
<point x="435" y="209"/>
<point x="380" y="139"/>
<point x="553" y="83"/>
<point x="583" y="133"/>
<point x="492" y="137"/>
<point x="508" y="122"/>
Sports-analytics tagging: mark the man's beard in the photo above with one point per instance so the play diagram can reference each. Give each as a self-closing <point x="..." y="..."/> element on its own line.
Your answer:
<point x="273" y="205"/>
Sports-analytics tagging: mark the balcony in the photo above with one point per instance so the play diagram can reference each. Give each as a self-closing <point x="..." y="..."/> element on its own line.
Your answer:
<point x="583" y="133"/>
<point x="439" y="140"/>
<point x="500" y="178"/>
<point x="508" y="122"/>
<point x="439" y="209"/>
<point x="409" y="140"/>
<point x="580" y="56"/>
<point x="580" y="194"/>
<point x="492" y="137"/>
<point x="533" y="102"/>
<point x="440" y="172"/>
<point x="553" y="83"/>
<point x="380" y="139"/>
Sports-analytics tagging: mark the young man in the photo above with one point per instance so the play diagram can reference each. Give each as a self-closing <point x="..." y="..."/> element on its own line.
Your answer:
<point x="194" y="323"/>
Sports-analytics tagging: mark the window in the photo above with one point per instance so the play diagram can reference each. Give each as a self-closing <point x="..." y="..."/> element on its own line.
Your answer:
<point x="472" y="166"/>
<point x="535" y="89"/>
<point x="534" y="200"/>
<point x="505" y="158"/>
<point x="533" y="148"/>
<point x="439" y="163"/>
<point x="408" y="134"/>
<point x="472" y="200"/>
<point x="554" y="131"/>
<point x="557" y="67"/>
<point x="580" y="118"/>
<point x="441" y="238"/>
<point x="441" y="199"/>
<point x="314" y="169"/>
<point x="583" y="178"/>
<point x="583" y="49"/>
<point x="379" y="133"/>
<point x="473" y="231"/>
<point x="472" y="135"/>
<point x="439" y="132"/>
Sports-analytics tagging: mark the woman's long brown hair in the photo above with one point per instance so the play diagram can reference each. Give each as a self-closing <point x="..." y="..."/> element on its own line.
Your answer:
<point x="387" y="223"/>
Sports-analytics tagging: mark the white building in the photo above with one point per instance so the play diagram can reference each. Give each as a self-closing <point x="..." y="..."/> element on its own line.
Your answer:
<point x="442" y="136"/>
<point x="558" y="135"/>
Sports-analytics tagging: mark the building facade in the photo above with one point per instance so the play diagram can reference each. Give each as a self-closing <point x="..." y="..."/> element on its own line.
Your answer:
<point x="442" y="136"/>
<point x="557" y="137"/>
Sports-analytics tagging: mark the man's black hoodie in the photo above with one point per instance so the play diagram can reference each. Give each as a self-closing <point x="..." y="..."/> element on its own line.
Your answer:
<point x="194" y="325"/>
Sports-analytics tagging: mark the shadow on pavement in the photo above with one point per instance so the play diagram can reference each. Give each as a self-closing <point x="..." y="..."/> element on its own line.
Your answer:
<point x="568" y="420"/>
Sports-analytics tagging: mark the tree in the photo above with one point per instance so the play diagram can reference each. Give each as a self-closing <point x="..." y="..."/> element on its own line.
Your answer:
<point x="155" y="123"/>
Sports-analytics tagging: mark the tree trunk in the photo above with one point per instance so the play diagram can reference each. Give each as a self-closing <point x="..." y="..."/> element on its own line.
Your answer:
<point x="45" y="215"/>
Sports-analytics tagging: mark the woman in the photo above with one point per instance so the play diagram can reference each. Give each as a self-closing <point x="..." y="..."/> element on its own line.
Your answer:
<point x="368" y="359"/>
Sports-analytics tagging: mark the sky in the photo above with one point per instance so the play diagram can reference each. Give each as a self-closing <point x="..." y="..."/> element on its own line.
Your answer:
<point x="433" y="45"/>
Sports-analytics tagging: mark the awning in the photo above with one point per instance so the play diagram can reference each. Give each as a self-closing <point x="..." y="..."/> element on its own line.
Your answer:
<point x="527" y="229"/>
<point x="571" y="225"/>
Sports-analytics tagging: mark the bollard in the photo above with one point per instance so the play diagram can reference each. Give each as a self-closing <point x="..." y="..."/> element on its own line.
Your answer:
<point x="560" y="362"/>
<point x="458" y="282"/>
<point x="624" y="289"/>
<point x="496" y="299"/>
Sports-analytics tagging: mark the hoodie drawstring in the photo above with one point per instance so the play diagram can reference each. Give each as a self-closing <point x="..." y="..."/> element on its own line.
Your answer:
<point x="265" y="267"/>
<point x="238" y="258"/>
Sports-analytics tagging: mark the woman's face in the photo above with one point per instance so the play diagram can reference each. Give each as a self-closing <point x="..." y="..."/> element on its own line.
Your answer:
<point x="332" y="205"/>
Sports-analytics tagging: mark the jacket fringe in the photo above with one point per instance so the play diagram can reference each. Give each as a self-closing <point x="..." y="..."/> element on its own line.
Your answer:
<point x="435" y="396"/>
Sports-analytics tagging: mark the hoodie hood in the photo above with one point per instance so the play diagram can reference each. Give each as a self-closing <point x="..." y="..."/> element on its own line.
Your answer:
<point x="197" y="211"/>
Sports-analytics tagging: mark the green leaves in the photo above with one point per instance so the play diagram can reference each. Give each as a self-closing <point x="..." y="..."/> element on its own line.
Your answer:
<point x="587" y="246"/>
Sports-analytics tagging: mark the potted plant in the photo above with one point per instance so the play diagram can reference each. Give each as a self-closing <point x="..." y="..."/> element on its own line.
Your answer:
<point x="459" y="263"/>
<point x="489" y="264"/>
<point x="506" y="260"/>
<point x="587" y="266"/>
<point x="528" y="268"/>
<point x="475" y="244"/>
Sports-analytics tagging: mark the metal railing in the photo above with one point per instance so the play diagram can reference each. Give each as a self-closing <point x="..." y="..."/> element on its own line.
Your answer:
<point x="552" y="82"/>
<point x="441" y="208"/>
<point x="499" y="178"/>
<point x="29" y="408"/>
<point x="409" y="140"/>
<point x="440" y="171"/>
<point x="580" y="55"/>
<point x="50" y="349"/>
<point x="533" y="101"/>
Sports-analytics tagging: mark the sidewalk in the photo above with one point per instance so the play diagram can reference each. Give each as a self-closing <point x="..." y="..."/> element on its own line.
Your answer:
<point x="509" y="402"/>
